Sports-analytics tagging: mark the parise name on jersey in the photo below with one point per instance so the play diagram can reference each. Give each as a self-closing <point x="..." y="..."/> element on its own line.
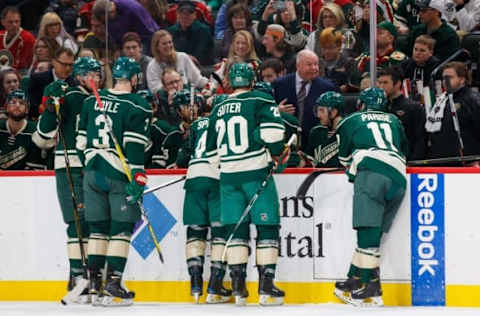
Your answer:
<point x="376" y="117"/>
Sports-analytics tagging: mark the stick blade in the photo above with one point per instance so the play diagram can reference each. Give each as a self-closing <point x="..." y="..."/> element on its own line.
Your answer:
<point x="75" y="293"/>
<point x="305" y="185"/>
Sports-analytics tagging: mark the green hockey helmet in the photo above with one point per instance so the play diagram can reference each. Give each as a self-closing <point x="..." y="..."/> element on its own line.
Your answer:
<point x="125" y="68"/>
<point x="373" y="99"/>
<point x="84" y="65"/>
<point x="241" y="75"/>
<point x="331" y="99"/>
<point x="264" y="87"/>
<point x="16" y="94"/>
<point x="218" y="98"/>
<point x="181" y="97"/>
<point x="147" y="95"/>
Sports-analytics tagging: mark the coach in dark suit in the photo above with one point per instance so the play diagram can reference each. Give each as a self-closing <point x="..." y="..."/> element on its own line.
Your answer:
<point x="62" y="70"/>
<point x="296" y="93"/>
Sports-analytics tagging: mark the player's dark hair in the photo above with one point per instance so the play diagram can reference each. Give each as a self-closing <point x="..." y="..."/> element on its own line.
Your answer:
<point x="394" y="72"/>
<point x="9" y="9"/>
<point x="274" y="63"/>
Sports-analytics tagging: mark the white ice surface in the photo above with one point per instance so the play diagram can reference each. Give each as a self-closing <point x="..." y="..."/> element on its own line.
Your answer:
<point x="153" y="309"/>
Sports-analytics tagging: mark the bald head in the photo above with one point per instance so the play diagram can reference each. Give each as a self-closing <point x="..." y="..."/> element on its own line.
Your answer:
<point x="307" y="64"/>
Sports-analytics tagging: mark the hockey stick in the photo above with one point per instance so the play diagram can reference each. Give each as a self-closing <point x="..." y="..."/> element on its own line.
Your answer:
<point x="161" y="186"/>
<point x="305" y="185"/>
<point x="453" y="110"/>
<point x="263" y="185"/>
<point x="436" y="161"/>
<point x="82" y="284"/>
<point x="125" y="166"/>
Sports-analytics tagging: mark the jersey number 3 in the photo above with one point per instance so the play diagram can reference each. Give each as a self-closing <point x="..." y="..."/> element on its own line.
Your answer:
<point x="103" y="140"/>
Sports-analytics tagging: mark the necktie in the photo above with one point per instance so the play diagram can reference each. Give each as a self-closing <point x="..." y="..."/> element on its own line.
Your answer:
<point x="302" y="94"/>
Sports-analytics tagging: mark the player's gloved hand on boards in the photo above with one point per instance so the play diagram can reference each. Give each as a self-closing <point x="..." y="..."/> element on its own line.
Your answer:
<point x="136" y="187"/>
<point x="53" y="93"/>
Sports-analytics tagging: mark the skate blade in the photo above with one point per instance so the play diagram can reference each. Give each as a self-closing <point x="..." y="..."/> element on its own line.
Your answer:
<point x="217" y="299"/>
<point x="110" y="301"/>
<point x="268" y="300"/>
<point x="196" y="297"/>
<point x="73" y="295"/>
<point x="96" y="300"/>
<point x="240" y="301"/>
<point x="344" y="296"/>
<point x="374" y="301"/>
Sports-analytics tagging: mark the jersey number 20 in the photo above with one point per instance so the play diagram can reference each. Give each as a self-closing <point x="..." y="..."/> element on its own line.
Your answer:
<point x="235" y="126"/>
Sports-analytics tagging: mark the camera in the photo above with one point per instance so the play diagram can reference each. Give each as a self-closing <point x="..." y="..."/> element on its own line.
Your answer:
<point x="279" y="5"/>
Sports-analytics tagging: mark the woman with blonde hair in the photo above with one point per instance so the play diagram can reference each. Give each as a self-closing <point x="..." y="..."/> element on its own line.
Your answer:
<point x="44" y="50"/>
<point x="242" y="49"/>
<point x="51" y="26"/>
<point x="164" y="55"/>
<point x="330" y="15"/>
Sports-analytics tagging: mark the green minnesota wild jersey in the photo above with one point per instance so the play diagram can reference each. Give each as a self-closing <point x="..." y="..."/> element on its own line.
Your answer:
<point x="375" y="141"/>
<point x="244" y="127"/>
<point x="291" y="127"/>
<point x="322" y="147"/>
<point x="201" y="172"/>
<point x="19" y="152"/>
<point x="166" y="141"/>
<point x="70" y="115"/>
<point x="129" y="116"/>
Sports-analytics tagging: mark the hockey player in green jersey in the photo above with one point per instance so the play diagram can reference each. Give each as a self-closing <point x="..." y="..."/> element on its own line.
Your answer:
<point x="201" y="210"/>
<point x="122" y="118"/>
<point x="17" y="150"/>
<point x="248" y="132"/>
<point x="322" y="147"/>
<point x="63" y="105"/>
<point x="372" y="146"/>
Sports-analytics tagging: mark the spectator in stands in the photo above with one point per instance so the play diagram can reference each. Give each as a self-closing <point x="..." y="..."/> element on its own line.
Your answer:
<point x="18" y="152"/>
<point x="347" y="6"/>
<point x="68" y="11"/>
<point x="126" y="16"/>
<point x="410" y="113"/>
<point x="192" y="36"/>
<point x="276" y="46"/>
<point x="221" y="23"/>
<point x="446" y="39"/>
<point x="270" y="70"/>
<point x="420" y="66"/>
<point x="243" y="49"/>
<point x="44" y="50"/>
<point x="468" y="14"/>
<point x="362" y="27"/>
<point x="164" y="55"/>
<point x="157" y="10"/>
<point x="41" y="67"/>
<point x="132" y="47"/>
<point x="51" y="26"/>
<point x="301" y="89"/>
<point x="62" y="70"/>
<point x="443" y="140"/>
<point x="330" y="15"/>
<point x="285" y="16"/>
<point x="9" y="81"/>
<point x="172" y="82"/>
<point x="238" y="18"/>
<point x="406" y="16"/>
<point x="18" y="42"/>
<point x="96" y="39"/>
<point x="86" y="52"/>
<point x="386" y="53"/>
<point x="337" y="66"/>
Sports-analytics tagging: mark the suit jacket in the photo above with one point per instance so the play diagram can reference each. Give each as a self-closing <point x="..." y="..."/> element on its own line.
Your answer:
<point x="285" y="88"/>
<point x="38" y="82"/>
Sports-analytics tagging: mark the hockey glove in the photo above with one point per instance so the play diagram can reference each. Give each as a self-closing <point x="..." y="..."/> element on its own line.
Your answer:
<point x="282" y="160"/>
<point x="53" y="94"/>
<point x="135" y="188"/>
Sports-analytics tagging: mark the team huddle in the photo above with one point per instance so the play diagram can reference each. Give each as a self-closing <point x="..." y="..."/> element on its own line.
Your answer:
<point x="233" y="144"/>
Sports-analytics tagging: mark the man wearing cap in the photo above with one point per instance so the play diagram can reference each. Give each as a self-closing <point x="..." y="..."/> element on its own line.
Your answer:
<point x="386" y="53"/>
<point x="17" y="150"/>
<point x="446" y="39"/>
<point x="192" y="36"/>
<point x="276" y="46"/>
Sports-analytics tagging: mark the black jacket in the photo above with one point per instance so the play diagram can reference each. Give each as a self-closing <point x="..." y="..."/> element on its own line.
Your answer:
<point x="412" y="116"/>
<point x="445" y="143"/>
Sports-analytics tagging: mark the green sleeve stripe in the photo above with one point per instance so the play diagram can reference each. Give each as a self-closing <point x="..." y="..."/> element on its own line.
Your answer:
<point x="135" y="135"/>
<point x="275" y="125"/>
<point x="244" y="156"/>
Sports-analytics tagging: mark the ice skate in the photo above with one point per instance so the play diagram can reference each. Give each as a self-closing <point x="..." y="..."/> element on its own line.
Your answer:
<point x="95" y="287"/>
<point x="369" y="295"/>
<point x="77" y="291"/>
<point x="217" y="294"/>
<point x="114" y="294"/>
<point x="196" y="282"/>
<point x="343" y="289"/>
<point x="239" y="288"/>
<point x="269" y="294"/>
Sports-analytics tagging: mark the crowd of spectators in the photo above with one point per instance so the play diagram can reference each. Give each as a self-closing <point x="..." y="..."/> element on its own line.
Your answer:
<point x="302" y="47"/>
